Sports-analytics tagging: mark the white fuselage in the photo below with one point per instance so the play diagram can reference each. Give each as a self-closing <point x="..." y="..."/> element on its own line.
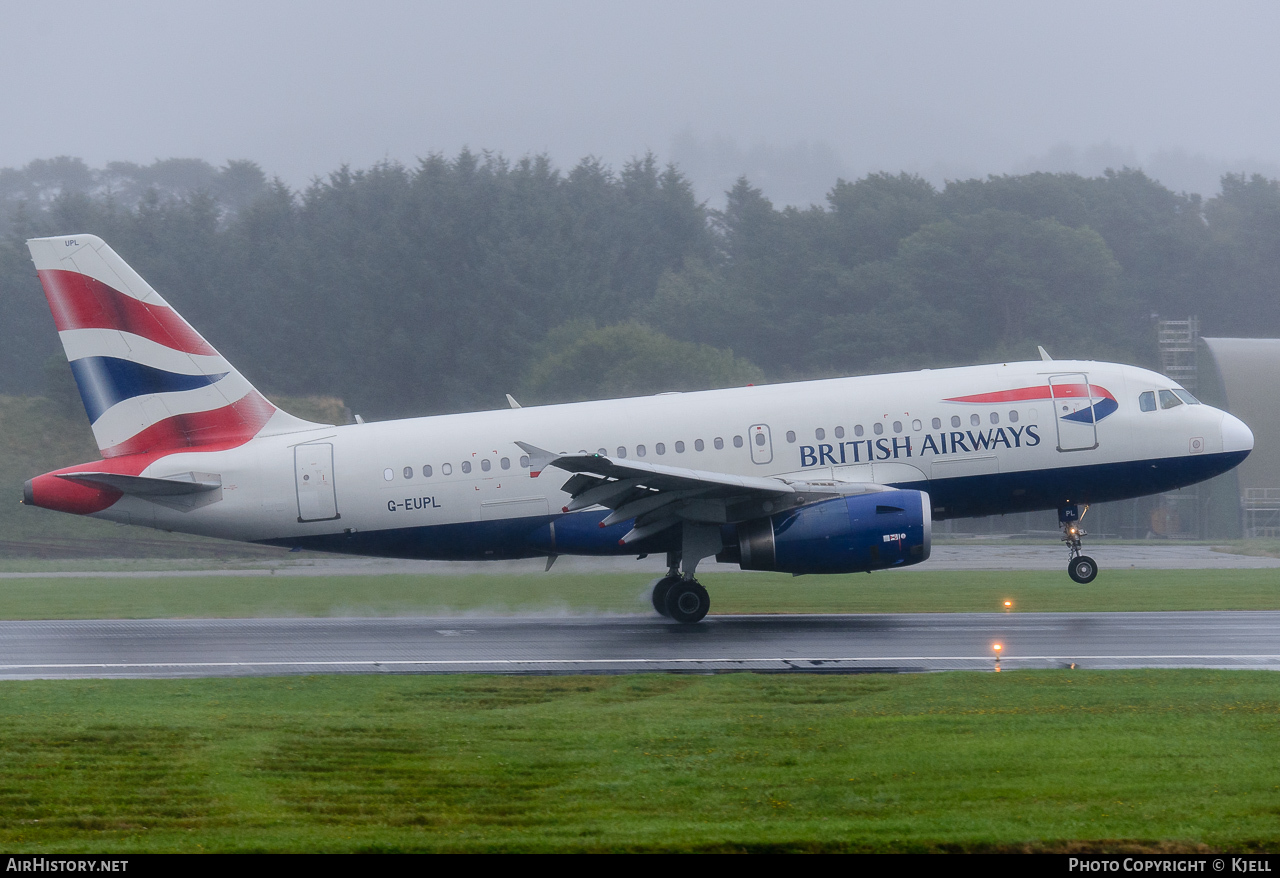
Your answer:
<point x="454" y="486"/>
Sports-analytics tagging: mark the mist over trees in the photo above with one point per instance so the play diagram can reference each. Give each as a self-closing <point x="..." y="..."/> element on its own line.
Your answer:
<point x="443" y="285"/>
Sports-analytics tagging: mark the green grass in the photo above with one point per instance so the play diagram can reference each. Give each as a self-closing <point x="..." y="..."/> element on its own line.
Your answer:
<point x="1046" y="760"/>
<point x="906" y="591"/>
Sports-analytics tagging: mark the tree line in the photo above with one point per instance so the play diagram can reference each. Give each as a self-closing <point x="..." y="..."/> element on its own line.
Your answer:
<point x="442" y="285"/>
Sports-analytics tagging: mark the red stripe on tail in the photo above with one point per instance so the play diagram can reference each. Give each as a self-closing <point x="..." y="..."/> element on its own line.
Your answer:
<point x="224" y="427"/>
<point x="81" y="302"/>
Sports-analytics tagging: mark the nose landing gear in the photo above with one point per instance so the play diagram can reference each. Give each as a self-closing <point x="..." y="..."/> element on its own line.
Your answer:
<point x="1081" y="568"/>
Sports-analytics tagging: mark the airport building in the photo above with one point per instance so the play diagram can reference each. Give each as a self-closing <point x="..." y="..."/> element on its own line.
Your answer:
<point x="1241" y="375"/>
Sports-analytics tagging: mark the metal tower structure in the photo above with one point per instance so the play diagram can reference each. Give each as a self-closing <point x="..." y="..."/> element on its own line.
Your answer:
<point x="1178" y="516"/>
<point x="1177" y="340"/>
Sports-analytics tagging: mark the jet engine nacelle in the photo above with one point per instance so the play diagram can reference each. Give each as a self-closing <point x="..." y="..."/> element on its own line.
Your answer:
<point x="848" y="534"/>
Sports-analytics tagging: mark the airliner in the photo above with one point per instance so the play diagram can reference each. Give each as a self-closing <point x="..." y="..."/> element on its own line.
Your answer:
<point x="830" y="476"/>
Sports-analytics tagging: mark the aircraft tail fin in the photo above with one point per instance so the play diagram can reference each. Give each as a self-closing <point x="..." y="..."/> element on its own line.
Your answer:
<point x="148" y="380"/>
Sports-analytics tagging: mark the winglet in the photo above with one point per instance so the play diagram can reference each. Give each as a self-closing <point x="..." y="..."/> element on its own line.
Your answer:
<point x="511" y="401"/>
<point x="1044" y="355"/>
<point x="539" y="458"/>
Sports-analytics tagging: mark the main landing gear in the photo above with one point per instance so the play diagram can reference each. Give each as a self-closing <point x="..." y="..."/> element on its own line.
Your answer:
<point x="1081" y="568"/>
<point x="680" y="598"/>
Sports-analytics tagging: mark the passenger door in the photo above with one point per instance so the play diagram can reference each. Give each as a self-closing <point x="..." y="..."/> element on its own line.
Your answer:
<point x="313" y="474"/>
<point x="1073" y="411"/>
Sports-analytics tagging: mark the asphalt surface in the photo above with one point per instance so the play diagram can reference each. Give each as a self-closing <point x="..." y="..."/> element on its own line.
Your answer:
<point x="626" y="644"/>
<point x="984" y="555"/>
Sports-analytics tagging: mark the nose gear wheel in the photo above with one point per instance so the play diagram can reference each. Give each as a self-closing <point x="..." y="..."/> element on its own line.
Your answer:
<point x="1081" y="568"/>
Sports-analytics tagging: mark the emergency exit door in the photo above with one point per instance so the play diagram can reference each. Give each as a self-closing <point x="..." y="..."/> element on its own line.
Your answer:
<point x="761" y="443"/>
<point x="313" y="472"/>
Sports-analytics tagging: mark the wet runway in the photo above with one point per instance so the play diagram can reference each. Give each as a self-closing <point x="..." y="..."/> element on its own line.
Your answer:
<point x="985" y="555"/>
<point x="637" y="644"/>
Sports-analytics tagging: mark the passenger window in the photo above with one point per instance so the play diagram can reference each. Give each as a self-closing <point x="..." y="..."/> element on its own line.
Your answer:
<point x="760" y="440"/>
<point x="603" y="452"/>
<point x="995" y="417"/>
<point x="1013" y="417"/>
<point x="737" y="441"/>
<point x="679" y="448"/>
<point x="839" y="432"/>
<point x="975" y="419"/>
<point x="877" y="428"/>
<point x="791" y="436"/>
<point x="639" y="451"/>
<point x="937" y="423"/>
<point x="1147" y="401"/>
<point x="719" y="443"/>
<point x="485" y="464"/>
<point x="408" y="472"/>
<point x="505" y="463"/>
<point x="897" y="426"/>
<point x="466" y="466"/>
<point x="820" y="434"/>
<point x="622" y="451"/>
<point x="1168" y="400"/>
<point x="660" y="448"/>
<point x="698" y="445"/>
<point x="917" y="426"/>
<point x="426" y="471"/>
<point x="955" y="420"/>
<point x="388" y="474"/>
<point x="447" y="468"/>
<point x="857" y="430"/>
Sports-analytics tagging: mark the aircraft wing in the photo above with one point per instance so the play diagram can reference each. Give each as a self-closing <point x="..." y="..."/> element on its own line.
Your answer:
<point x="659" y="496"/>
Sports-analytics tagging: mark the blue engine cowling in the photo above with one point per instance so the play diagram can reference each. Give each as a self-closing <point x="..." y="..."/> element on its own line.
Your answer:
<point x="845" y="535"/>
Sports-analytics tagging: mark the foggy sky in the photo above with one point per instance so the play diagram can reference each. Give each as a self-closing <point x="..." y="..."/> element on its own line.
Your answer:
<point x="793" y="93"/>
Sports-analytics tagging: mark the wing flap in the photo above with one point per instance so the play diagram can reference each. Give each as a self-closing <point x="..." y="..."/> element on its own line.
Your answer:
<point x="656" y="497"/>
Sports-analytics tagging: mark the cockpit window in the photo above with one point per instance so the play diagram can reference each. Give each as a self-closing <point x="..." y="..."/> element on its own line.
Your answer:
<point x="1147" y="401"/>
<point x="1186" y="397"/>
<point x="1168" y="400"/>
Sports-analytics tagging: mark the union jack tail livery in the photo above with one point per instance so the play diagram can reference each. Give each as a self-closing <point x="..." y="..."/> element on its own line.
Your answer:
<point x="148" y="380"/>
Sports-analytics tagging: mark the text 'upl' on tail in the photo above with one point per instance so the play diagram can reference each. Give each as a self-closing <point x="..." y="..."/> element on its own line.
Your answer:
<point x="148" y="380"/>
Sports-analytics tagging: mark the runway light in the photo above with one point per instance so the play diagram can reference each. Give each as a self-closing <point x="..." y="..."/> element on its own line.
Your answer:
<point x="997" y="647"/>
<point x="1008" y="605"/>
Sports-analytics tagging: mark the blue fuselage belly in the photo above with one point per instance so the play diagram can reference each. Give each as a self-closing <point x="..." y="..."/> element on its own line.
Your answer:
<point x="1004" y="493"/>
<point x="580" y="533"/>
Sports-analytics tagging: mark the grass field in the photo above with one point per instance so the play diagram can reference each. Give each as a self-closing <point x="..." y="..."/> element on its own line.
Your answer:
<point x="905" y="591"/>
<point x="1046" y="760"/>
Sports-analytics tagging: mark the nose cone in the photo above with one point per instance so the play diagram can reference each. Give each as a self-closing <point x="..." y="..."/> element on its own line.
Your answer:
<point x="1236" y="435"/>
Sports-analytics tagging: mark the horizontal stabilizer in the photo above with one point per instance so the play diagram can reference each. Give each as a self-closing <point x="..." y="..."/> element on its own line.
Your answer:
<point x="146" y="486"/>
